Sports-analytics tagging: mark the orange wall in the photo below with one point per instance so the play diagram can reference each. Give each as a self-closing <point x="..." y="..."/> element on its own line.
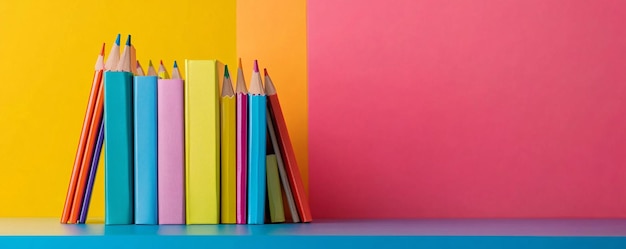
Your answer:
<point x="274" y="32"/>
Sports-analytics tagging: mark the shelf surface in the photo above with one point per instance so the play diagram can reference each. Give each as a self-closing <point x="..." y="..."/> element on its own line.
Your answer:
<point x="424" y="233"/>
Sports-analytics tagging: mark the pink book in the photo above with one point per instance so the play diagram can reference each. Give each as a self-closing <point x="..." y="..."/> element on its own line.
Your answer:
<point x="171" y="149"/>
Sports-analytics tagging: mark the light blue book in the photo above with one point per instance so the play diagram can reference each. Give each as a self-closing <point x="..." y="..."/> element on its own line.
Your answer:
<point x="146" y="163"/>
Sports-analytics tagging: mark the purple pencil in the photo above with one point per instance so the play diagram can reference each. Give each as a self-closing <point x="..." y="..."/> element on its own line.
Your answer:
<point x="92" y="174"/>
<point x="242" y="143"/>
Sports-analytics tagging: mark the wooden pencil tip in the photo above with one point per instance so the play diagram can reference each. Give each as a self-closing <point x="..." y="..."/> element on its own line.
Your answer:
<point x="162" y="62"/>
<point x="240" y="63"/>
<point x="265" y="71"/>
<point x="128" y="41"/>
<point x="226" y="73"/>
<point x="150" y="63"/>
<point x="138" y="65"/>
<point x="175" y="64"/>
<point x="117" y="40"/>
<point x="102" y="51"/>
<point x="256" y="66"/>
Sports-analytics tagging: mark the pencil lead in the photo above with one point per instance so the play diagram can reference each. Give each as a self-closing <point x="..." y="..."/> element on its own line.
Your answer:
<point x="175" y="64"/>
<point x="161" y="62"/>
<point x="138" y="64"/>
<point x="256" y="66"/>
<point x="226" y="73"/>
<point x="240" y="63"/>
<point x="265" y="71"/>
<point x="128" y="41"/>
<point x="150" y="63"/>
<point x="117" y="40"/>
<point x="102" y="51"/>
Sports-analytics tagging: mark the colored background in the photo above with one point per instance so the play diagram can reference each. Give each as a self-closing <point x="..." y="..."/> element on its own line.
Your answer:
<point x="47" y="54"/>
<point x="459" y="108"/>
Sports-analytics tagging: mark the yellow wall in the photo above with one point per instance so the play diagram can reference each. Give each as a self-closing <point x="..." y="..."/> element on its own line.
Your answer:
<point x="47" y="52"/>
<point x="274" y="32"/>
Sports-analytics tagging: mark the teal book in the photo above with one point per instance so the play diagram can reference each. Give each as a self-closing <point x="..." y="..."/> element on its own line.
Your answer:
<point x="118" y="150"/>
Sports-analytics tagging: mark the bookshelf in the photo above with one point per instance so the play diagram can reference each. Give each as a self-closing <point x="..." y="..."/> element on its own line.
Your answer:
<point x="408" y="233"/>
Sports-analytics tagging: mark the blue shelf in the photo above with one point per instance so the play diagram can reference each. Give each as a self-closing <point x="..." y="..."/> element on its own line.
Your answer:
<point x="418" y="233"/>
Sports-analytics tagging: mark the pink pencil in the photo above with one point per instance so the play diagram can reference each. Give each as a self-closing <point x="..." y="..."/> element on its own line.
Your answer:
<point x="242" y="143"/>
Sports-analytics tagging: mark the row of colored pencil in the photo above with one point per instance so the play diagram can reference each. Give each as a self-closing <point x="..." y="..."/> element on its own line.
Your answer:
<point x="180" y="152"/>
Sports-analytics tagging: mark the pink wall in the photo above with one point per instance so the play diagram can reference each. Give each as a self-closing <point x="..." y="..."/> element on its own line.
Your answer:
<point x="484" y="108"/>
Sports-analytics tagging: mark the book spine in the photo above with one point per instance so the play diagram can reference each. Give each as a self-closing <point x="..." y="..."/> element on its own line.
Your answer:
<point x="256" y="159"/>
<point x="274" y="194"/>
<point x="118" y="135"/>
<point x="228" y="160"/>
<point x="145" y="117"/>
<point x="242" y="157"/>
<point x="202" y="144"/>
<point x="171" y="152"/>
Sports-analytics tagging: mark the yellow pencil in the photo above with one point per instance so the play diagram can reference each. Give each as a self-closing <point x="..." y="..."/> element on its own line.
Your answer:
<point x="229" y="152"/>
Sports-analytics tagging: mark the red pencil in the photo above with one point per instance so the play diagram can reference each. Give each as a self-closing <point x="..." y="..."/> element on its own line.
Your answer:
<point x="286" y="149"/>
<point x="82" y="142"/>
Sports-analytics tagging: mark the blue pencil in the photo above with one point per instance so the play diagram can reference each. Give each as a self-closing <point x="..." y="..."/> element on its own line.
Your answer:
<point x="256" y="149"/>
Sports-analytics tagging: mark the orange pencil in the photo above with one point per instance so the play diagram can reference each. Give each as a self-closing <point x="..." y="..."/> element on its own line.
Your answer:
<point x="78" y="160"/>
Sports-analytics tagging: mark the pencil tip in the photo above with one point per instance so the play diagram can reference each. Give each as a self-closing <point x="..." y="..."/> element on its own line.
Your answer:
<point x="240" y="63"/>
<point x="175" y="64"/>
<point x="265" y="71"/>
<point x="102" y="51"/>
<point x="128" y="41"/>
<point x="226" y="73"/>
<point x="117" y="40"/>
<point x="161" y="62"/>
<point x="138" y="64"/>
<point x="150" y="63"/>
<point x="256" y="66"/>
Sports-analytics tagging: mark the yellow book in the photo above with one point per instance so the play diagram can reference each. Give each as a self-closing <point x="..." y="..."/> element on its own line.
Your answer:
<point x="274" y="194"/>
<point x="229" y="151"/>
<point x="202" y="141"/>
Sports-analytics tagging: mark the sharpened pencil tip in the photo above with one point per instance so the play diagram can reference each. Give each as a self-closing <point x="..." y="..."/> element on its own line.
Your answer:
<point x="138" y="64"/>
<point x="226" y="73"/>
<point x="265" y="71"/>
<point x="256" y="66"/>
<point x="117" y="40"/>
<point x="162" y="62"/>
<point x="175" y="64"/>
<point x="240" y="63"/>
<point x="102" y="51"/>
<point x="150" y="63"/>
<point x="128" y="41"/>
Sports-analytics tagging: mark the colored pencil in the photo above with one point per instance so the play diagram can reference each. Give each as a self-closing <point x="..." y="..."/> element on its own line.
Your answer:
<point x="114" y="55"/>
<point x="151" y="71"/>
<point x="92" y="174"/>
<point x="139" y="70"/>
<point x="118" y="135"/>
<point x="202" y="141"/>
<point x="284" y="179"/>
<point x="176" y="72"/>
<point x="256" y="150"/>
<point x="286" y="150"/>
<point x="171" y="151"/>
<point x="133" y="59"/>
<point x="229" y="151"/>
<point x="242" y="146"/>
<point x="82" y="142"/>
<point x="163" y="72"/>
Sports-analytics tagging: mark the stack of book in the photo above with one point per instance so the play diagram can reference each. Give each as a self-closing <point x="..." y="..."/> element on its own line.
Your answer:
<point x="192" y="151"/>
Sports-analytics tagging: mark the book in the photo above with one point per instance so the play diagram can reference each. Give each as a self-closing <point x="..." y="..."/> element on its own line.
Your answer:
<point x="202" y="141"/>
<point x="256" y="149"/>
<point x="145" y="142"/>
<point x="118" y="136"/>
<point x="274" y="195"/>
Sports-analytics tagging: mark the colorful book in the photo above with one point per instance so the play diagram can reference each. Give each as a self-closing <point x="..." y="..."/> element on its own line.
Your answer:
<point x="242" y="146"/>
<point x="256" y="149"/>
<point x="70" y="209"/>
<point x="202" y="141"/>
<point x="118" y="136"/>
<point x="145" y="118"/>
<point x="286" y="149"/>
<point x="229" y="152"/>
<point x="289" y="204"/>
<point x="171" y="125"/>
<point x="274" y="195"/>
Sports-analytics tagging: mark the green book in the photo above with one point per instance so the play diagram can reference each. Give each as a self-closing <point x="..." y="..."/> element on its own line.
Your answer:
<point x="274" y="196"/>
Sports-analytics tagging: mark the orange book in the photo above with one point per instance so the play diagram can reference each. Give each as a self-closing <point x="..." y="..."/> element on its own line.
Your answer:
<point x="83" y="141"/>
<point x="286" y="149"/>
